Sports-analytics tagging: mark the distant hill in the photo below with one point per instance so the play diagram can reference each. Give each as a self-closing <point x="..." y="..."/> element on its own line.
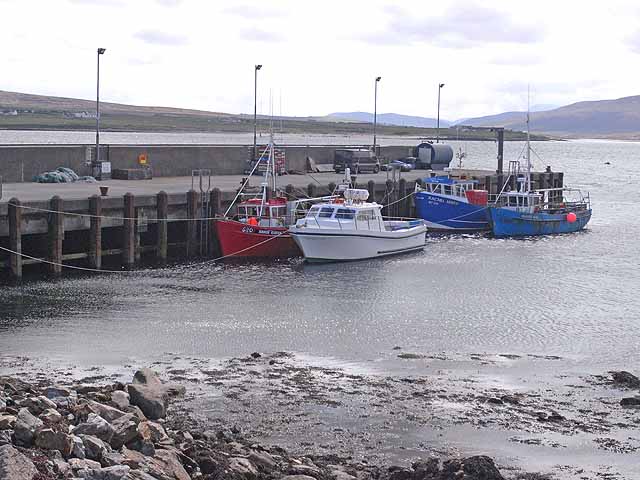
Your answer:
<point x="619" y="118"/>
<point x="388" y="119"/>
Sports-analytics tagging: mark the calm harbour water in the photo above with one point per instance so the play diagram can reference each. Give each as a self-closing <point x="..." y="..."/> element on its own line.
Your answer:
<point x="574" y="296"/>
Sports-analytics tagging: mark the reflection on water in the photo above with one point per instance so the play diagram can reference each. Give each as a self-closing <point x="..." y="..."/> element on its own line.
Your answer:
<point x="569" y="295"/>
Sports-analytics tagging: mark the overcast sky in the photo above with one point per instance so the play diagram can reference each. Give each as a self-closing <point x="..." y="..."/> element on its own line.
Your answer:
<point x="322" y="57"/>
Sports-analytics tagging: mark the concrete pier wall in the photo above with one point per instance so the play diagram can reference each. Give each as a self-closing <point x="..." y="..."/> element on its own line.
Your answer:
<point x="20" y="163"/>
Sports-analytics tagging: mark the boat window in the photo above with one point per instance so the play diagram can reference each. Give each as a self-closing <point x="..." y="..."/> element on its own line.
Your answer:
<point x="513" y="201"/>
<point x="313" y="211"/>
<point x="365" y="215"/>
<point x="326" y="212"/>
<point x="447" y="189"/>
<point x="345" y="213"/>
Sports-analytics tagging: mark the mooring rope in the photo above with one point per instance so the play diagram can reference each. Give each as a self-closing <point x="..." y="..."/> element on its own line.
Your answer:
<point x="97" y="270"/>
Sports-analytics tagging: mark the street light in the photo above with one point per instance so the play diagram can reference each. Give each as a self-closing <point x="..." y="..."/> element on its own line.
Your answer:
<point x="440" y="85"/>
<point x="100" y="52"/>
<point x="255" y="109"/>
<point x="375" y="112"/>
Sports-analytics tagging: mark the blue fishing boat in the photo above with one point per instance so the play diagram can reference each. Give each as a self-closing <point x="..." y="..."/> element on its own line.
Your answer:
<point x="526" y="212"/>
<point x="452" y="205"/>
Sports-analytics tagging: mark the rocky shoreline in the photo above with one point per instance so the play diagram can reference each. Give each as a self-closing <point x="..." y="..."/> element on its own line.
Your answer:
<point x="120" y="431"/>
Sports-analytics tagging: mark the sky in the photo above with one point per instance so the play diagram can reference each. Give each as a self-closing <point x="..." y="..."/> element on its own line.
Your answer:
<point x="323" y="57"/>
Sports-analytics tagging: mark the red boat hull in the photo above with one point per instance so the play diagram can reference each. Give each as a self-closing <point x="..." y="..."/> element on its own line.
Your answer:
<point x="241" y="240"/>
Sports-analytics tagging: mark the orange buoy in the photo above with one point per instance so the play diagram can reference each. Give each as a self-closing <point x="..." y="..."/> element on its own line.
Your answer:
<point x="253" y="221"/>
<point x="571" y="217"/>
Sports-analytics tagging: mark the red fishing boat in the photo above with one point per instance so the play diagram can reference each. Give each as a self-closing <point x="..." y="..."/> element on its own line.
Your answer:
<point x="260" y="229"/>
<point x="261" y="226"/>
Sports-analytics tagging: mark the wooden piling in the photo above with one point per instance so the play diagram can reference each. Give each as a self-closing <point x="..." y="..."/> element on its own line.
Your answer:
<point x="289" y="191"/>
<point x="215" y="210"/>
<point x="56" y="235"/>
<point x="95" y="232"/>
<point x="128" y="231"/>
<point x="15" y="238"/>
<point x="192" y="222"/>
<point x="402" y="201"/>
<point x="311" y="190"/>
<point x="331" y="187"/>
<point x="162" y="212"/>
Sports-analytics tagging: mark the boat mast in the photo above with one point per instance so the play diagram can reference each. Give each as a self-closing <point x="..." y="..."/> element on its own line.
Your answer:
<point x="528" y="179"/>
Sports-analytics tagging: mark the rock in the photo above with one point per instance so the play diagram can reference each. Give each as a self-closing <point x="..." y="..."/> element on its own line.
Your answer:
<point x="51" y="415"/>
<point x="3" y="404"/>
<point x="77" y="449"/>
<point x="94" y="448"/>
<point x="136" y="411"/>
<point x="105" y="411"/>
<point x="340" y="475"/>
<point x="426" y="468"/>
<point x="262" y="460"/>
<point x="153" y="432"/>
<point x="171" y="463"/>
<point x="630" y="402"/>
<point x="145" y="447"/>
<point x="140" y="475"/>
<point x="626" y="379"/>
<point x="37" y="405"/>
<point x="120" y="398"/>
<point x="117" y="472"/>
<point x="7" y="421"/>
<point x="111" y="458"/>
<point x="397" y="473"/>
<point x="312" y="471"/>
<point x="148" y="377"/>
<point x="55" y="392"/>
<point x="61" y="467"/>
<point x="48" y="439"/>
<point x="14" y="465"/>
<point x="242" y="467"/>
<point x="480" y="467"/>
<point x="83" y="464"/>
<point x="255" y="355"/>
<point x="125" y="430"/>
<point x="25" y="427"/>
<point x="151" y="400"/>
<point x="5" y="437"/>
<point x="297" y="477"/>
<point x="96" y="426"/>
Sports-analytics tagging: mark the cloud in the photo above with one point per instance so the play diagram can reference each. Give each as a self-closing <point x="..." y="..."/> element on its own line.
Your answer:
<point x="157" y="37"/>
<point x="169" y="3"/>
<point x="634" y="42"/>
<point x="256" y="12"/>
<point x="518" y="59"/>
<point x="462" y="25"/>
<point x="256" y="34"/>
<point x="101" y="3"/>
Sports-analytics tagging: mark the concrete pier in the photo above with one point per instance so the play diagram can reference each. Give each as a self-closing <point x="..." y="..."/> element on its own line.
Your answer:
<point x="153" y="221"/>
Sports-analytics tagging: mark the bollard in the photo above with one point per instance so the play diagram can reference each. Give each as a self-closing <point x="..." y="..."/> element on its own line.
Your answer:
<point x="15" y="238"/>
<point x="56" y="235"/>
<point x="95" y="232"/>
<point x="128" y="231"/>
<point x="162" y="207"/>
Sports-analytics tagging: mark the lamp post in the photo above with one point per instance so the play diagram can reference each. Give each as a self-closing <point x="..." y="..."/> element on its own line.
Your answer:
<point x="440" y="85"/>
<point x="375" y="113"/>
<point x="100" y="52"/>
<point x="255" y="109"/>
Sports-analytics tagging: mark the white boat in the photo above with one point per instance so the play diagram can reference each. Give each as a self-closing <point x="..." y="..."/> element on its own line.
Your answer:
<point x="351" y="228"/>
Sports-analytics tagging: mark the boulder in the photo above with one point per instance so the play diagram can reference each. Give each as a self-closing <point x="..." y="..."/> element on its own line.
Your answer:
<point x="14" y="465"/>
<point x="25" y="427"/>
<point x="480" y="467"/>
<point x="151" y="400"/>
<point x="105" y="411"/>
<point x="94" y="448"/>
<point x="37" y="405"/>
<point x="78" y="448"/>
<point x="51" y="415"/>
<point x="262" y="459"/>
<point x="55" y="392"/>
<point x="630" y="402"/>
<point x="140" y="475"/>
<point x="120" y="398"/>
<point x="77" y="464"/>
<point x="117" y="472"/>
<point x="7" y="421"/>
<point x="148" y="377"/>
<point x="125" y="430"/>
<point x="5" y="437"/>
<point x="48" y="439"/>
<point x="111" y="458"/>
<point x="242" y="467"/>
<point x="96" y="426"/>
<point x="297" y="477"/>
<point x="625" y="379"/>
<point x="152" y="431"/>
<point x="3" y="404"/>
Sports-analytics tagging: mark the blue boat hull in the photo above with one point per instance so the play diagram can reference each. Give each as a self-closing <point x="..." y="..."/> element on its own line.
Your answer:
<point x="509" y="223"/>
<point x="447" y="214"/>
